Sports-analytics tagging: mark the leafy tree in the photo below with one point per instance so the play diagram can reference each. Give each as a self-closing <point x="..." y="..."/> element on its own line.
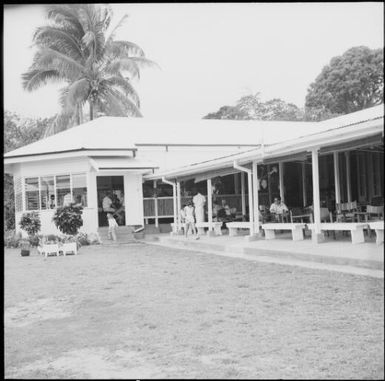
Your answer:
<point x="78" y="47"/>
<point x="228" y="112"/>
<point x="351" y="82"/>
<point x="251" y="107"/>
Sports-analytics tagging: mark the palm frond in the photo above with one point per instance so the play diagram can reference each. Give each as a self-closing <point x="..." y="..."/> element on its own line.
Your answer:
<point x="75" y="94"/>
<point x="119" y="65"/>
<point x="65" y="15"/>
<point x="62" y="122"/>
<point x="124" y="49"/>
<point x="111" y="35"/>
<point x="125" y="86"/>
<point x="50" y="59"/>
<point x="58" y="39"/>
<point x="33" y="79"/>
<point x="129" y="106"/>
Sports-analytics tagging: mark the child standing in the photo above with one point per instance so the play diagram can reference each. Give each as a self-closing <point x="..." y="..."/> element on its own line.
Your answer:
<point x="190" y="219"/>
<point x="112" y="225"/>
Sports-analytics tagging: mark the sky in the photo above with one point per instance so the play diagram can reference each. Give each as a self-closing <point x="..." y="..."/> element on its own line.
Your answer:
<point x="210" y="54"/>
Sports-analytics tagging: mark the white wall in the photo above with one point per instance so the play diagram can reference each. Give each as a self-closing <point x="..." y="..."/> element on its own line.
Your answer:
<point x="133" y="197"/>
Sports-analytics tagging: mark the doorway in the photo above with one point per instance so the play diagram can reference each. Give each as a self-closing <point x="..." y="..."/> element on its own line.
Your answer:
<point x="113" y="188"/>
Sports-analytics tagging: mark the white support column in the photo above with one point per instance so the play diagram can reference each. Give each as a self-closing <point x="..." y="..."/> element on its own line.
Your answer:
<point x="316" y="233"/>
<point x="304" y="198"/>
<point x="210" y="206"/>
<point x="243" y="193"/>
<point x="281" y="185"/>
<point x="337" y="177"/>
<point x="178" y="205"/>
<point x="348" y="180"/>
<point x="251" y="209"/>
<point x="156" y="206"/>
<point x="256" y="198"/>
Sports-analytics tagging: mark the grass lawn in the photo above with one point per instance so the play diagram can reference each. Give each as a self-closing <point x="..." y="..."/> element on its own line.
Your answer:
<point x="143" y="311"/>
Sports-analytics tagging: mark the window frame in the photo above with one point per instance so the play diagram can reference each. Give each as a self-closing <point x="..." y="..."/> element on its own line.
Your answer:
<point x="70" y="174"/>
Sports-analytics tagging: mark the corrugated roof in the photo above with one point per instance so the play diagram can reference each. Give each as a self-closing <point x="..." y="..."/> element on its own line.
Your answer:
<point x="116" y="133"/>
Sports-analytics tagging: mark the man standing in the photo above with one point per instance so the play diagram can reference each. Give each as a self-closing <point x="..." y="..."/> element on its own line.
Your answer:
<point x="107" y="203"/>
<point x="199" y="201"/>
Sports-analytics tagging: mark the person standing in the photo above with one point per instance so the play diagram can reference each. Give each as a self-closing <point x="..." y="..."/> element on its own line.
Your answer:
<point x="190" y="219"/>
<point x="112" y="225"/>
<point x="199" y="202"/>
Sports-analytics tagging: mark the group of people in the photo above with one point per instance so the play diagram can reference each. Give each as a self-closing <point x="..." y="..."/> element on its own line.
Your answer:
<point x="113" y="206"/>
<point x="193" y="212"/>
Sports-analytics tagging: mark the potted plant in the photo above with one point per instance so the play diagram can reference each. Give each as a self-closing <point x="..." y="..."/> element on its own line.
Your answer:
<point x="29" y="222"/>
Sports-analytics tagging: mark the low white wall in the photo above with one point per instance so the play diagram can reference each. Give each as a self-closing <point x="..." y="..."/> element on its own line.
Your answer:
<point x="90" y="222"/>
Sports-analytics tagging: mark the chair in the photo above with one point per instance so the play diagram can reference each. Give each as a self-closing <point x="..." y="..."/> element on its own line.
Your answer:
<point x="326" y="215"/>
<point x="48" y="246"/>
<point x="376" y="211"/>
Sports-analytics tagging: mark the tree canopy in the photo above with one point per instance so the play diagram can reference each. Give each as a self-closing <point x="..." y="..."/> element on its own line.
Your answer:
<point x="78" y="47"/>
<point x="351" y="82"/>
<point x="250" y="107"/>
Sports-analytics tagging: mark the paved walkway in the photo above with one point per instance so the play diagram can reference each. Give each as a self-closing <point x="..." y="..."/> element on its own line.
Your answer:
<point x="333" y="255"/>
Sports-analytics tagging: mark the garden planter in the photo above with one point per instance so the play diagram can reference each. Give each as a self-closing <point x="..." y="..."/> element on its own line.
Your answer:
<point x="25" y="249"/>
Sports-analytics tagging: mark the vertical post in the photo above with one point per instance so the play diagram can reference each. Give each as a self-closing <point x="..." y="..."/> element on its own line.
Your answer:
<point x="316" y="234"/>
<point x="243" y="193"/>
<point x="178" y="204"/>
<point x="304" y="197"/>
<point x="281" y="185"/>
<point x="175" y="230"/>
<point x="210" y="205"/>
<point x="156" y="206"/>
<point x="268" y="183"/>
<point x="256" y="197"/>
<point x="251" y="210"/>
<point x="236" y="183"/>
<point x="337" y="177"/>
<point x="348" y="180"/>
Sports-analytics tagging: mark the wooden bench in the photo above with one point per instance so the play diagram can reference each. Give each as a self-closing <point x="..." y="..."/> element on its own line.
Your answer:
<point x="216" y="225"/>
<point x="356" y="229"/>
<point x="234" y="226"/>
<point x="378" y="226"/>
<point x="296" y="230"/>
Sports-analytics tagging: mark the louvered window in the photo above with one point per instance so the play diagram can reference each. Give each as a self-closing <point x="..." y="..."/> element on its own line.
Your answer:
<point x="18" y="194"/>
<point x="32" y="193"/>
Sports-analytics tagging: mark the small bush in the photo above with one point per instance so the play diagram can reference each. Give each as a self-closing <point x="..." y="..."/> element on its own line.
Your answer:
<point x="82" y="239"/>
<point x="30" y="222"/>
<point x="12" y="239"/>
<point x="68" y="219"/>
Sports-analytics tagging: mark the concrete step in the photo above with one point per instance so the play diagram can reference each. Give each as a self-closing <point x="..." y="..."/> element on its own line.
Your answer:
<point x="284" y="255"/>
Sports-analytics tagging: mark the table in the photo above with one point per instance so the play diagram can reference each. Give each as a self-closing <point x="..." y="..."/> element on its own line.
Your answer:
<point x="302" y="216"/>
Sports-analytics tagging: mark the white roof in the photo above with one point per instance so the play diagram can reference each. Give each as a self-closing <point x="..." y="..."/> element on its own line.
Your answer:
<point x="118" y="133"/>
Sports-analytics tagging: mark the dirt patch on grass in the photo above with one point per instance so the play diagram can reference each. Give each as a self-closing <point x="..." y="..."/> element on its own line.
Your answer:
<point x="153" y="312"/>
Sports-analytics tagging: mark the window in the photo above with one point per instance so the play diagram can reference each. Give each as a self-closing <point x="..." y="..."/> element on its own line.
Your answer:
<point x="47" y="192"/>
<point x="79" y="188"/>
<point x="32" y="193"/>
<point x="63" y="190"/>
<point x="18" y="194"/>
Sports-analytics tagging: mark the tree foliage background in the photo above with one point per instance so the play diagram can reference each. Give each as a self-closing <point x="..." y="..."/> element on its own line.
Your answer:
<point x="351" y="82"/>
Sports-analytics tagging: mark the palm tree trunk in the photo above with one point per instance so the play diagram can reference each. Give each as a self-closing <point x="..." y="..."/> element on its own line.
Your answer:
<point x="91" y="110"/>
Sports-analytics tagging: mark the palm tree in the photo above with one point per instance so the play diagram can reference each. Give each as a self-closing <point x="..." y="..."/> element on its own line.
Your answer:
<point x="78" y="47"/>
